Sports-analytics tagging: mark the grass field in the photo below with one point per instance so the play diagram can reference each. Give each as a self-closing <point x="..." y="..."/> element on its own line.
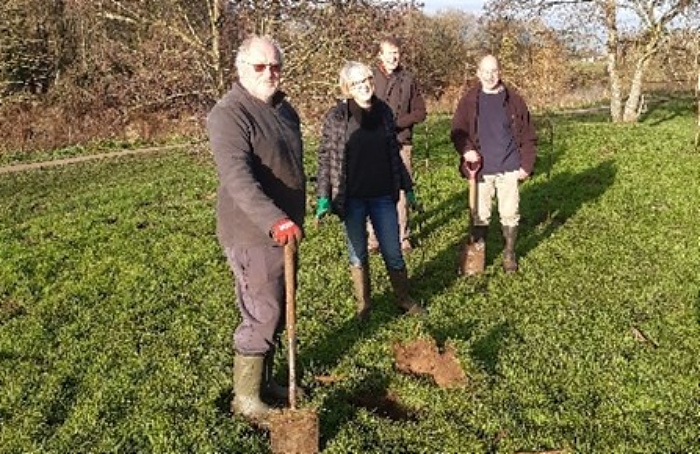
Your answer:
<point x="117" y="310"/>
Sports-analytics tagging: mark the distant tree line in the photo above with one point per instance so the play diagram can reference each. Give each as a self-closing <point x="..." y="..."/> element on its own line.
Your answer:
<point x="77" y="71"/>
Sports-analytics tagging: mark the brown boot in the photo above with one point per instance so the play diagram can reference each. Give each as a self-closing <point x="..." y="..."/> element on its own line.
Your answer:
<point x="399" y="281"/>
<point x="361" y="285"/>
<point x="247" y="379"/>
<point x="510" y="261"/>
<point x="476" y="252"/>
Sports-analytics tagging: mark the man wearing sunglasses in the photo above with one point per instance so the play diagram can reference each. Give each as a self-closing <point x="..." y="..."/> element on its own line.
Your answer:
<point x="256" y="141"/>
<point x="399" y="89"/>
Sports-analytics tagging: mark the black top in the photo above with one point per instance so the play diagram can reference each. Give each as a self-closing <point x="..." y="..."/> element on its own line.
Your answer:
<point x="368" y="165"/>
<point x="499" y="150"/>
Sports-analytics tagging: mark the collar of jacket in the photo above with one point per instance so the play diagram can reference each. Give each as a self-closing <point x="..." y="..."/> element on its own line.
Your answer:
<point x="473" y="92"/>
<point x="342" y="108"/>
<point x="395" y="72"/>
<point x="275" y="101"/>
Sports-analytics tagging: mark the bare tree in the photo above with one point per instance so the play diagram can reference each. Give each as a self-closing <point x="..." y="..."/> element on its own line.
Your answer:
<point x="440" y="48"/>
<point x="144" y="68"/>
<point x="648" y="22"/>
<point x="33" y="45"/>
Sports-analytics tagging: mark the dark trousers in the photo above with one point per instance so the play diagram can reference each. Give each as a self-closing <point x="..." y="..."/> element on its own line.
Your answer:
<point x="259" y="276"/>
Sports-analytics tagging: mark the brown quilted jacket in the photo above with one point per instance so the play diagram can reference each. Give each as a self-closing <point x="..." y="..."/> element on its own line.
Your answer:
<point x="465" y="125"/>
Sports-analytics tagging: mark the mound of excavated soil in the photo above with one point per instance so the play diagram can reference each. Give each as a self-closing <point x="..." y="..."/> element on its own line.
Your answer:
<point x="421" y="357"/>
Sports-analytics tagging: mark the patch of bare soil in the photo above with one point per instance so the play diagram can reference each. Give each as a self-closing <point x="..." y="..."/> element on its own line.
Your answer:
<point x="10" y="309"/>
<point x="294" y="432"/>
<point x="422" y="357"/>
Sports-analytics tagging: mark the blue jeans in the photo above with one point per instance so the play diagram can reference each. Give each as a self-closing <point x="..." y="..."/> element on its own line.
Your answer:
<point x="385" y="221"/>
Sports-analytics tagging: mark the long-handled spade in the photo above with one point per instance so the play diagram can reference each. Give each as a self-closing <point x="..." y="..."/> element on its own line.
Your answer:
<point x="293" y="431"/>
<point x="472" y="168"/>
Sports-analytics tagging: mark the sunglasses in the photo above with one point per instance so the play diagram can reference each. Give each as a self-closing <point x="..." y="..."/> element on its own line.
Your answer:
<point x="260" y="67"/>
<point x="357" y="83"/>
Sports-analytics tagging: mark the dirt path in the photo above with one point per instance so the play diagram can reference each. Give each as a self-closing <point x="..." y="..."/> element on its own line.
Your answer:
<point x="60" y="162"/>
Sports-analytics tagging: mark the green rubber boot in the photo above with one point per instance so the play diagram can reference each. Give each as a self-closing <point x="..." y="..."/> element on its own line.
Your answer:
<point x="247" y="379"/>
<point x="510" y="261"/>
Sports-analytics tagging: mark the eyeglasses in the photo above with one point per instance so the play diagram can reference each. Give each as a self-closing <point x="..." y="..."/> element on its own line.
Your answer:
<point x="491" y="72"/>
<point x="260" y="67"/>
<point x="357" y="83"/>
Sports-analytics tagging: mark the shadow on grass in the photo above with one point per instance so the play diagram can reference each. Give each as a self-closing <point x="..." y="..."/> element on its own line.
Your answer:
<point x="661" y="106"/>
<point x="546" y="207"/>
<point x="664" y="107"/>
<point x="487" y="350"/>
<point x="371" y="394"/>
<point x="592" y="114"/>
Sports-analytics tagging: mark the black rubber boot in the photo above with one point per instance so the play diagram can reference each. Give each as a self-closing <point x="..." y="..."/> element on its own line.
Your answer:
<point x="510" y="261"/>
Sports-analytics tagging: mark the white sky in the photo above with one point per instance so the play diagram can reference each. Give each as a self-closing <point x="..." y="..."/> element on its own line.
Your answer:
<point x="473" y="6"/>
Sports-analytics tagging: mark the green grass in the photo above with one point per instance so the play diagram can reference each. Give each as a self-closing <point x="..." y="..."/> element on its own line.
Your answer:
<point x="117" y="310"/>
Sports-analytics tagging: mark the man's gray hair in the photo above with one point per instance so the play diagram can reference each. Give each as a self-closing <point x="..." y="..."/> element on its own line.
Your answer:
<point x="244" y="49"/>
<point x="344" y="76"/>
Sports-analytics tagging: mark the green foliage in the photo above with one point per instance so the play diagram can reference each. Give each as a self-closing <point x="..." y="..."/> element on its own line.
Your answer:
<point x="117" y="310"/>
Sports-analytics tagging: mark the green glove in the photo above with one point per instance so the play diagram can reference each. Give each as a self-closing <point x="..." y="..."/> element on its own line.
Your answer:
<point x="413" y="201"/>
<point x="411" y="197"/>
<point x="323" y="207"/>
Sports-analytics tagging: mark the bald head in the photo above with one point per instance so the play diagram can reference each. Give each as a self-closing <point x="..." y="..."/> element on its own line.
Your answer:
<point x="489" y="74"/>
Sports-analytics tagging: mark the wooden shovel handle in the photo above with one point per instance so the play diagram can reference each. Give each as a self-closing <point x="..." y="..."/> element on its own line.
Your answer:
<point x="472" y="198"/>
<point x="472" y="168"/>
<point x="290" y="251"/>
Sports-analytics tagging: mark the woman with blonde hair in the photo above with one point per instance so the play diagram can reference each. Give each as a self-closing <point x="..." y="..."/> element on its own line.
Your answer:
<point x="360" y="174"/>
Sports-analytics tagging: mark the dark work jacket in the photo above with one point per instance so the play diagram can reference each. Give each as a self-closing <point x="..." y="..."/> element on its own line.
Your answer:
<point x="401" y="92"/>
<point x="258" y="153"/>
<point x="331" y="177"/>
<point x="465" y="125"/>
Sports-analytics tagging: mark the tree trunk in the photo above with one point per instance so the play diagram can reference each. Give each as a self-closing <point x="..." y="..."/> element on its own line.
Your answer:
<point x="697" y="95"/>
<point x="611" y="45"/>
<point x="615" y="90"/>
<point x="633" y="109"/>
<point x="215" y="19"/>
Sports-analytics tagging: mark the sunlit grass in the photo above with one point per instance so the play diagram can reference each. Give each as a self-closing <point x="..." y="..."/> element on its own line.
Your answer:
<point x="117" y="311"/>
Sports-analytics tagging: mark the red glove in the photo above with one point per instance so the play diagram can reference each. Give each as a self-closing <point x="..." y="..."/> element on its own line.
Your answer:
<point x="285" y="230"/>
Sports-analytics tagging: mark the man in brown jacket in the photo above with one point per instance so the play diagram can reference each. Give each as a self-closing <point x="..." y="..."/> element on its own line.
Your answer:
<point x="492" y="127"/>
<point x="256" y="140"/>
<point x="398" y="87"/>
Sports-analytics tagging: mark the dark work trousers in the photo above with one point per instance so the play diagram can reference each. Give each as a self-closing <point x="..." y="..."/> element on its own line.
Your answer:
<point x="259" y="275"/>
